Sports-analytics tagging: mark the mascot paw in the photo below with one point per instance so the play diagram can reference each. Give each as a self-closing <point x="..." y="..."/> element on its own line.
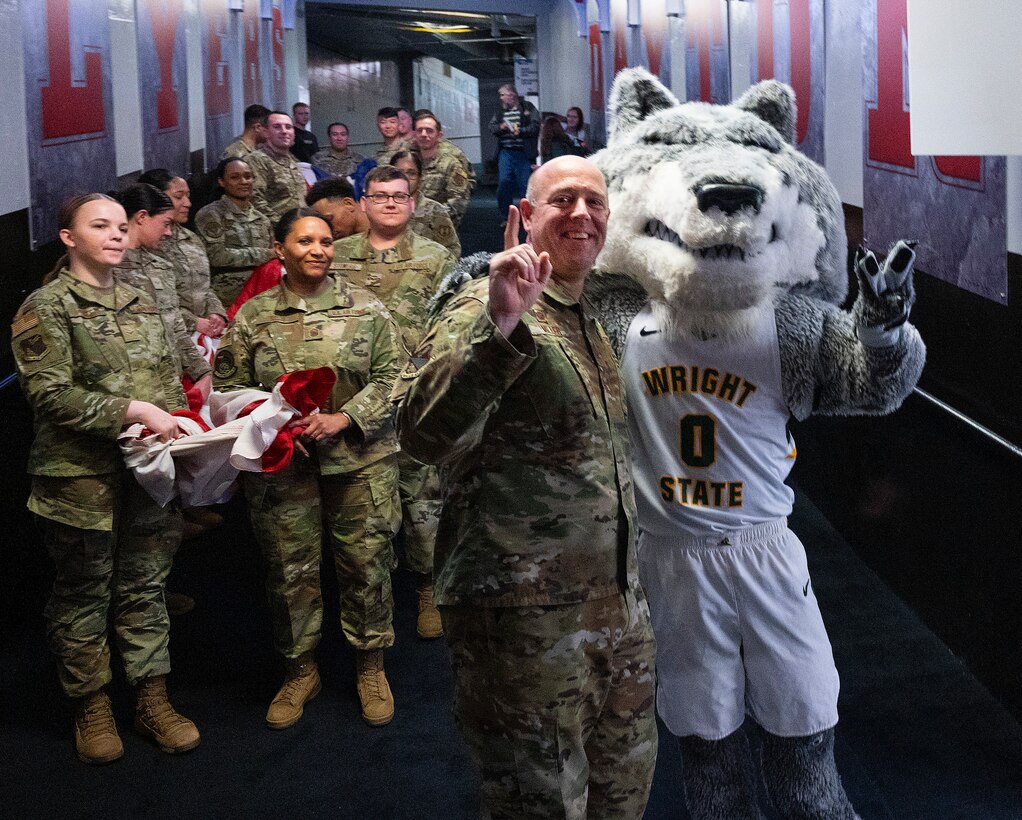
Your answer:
<point x="886" y="294"/>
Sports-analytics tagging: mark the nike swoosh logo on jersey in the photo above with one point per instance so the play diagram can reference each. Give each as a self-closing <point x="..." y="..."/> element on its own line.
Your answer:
<point x="805" y="590"/>
<point x="644" y="332"/>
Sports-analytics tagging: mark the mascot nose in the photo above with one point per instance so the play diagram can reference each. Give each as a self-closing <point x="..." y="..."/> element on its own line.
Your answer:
<point x="729" y="197"/>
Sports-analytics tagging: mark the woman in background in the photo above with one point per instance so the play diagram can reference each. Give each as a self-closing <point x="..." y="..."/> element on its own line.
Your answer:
<point x="553" y="141"/>
<point x="237" y="236"/>
<point x="575" y="128"/>
<point x="200" y="307"/>
<point x="93" y="356"/>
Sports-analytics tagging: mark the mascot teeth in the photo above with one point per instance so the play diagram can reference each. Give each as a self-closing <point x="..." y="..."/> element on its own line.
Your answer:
<point x="658" y="230"/>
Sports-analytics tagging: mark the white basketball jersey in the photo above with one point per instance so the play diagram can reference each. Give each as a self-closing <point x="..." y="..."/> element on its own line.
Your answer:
<point x="711" y="447"/>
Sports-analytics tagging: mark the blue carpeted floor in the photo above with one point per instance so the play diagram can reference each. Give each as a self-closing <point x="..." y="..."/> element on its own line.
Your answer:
<point x="919" y="738"/>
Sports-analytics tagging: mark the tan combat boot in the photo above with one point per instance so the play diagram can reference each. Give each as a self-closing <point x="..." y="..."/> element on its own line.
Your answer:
<point x="155" y="717"/>
<point x="96" y="738"/>
<point x="301" y="685"/>
<point x="428" y="624"/>
<point x="373" y="689"/>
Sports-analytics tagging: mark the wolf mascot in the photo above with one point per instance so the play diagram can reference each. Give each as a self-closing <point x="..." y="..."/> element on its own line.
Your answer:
<point x="727" y="251"/>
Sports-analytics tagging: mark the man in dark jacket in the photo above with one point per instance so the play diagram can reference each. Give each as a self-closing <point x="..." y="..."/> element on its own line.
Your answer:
<point x="516" y="127"/>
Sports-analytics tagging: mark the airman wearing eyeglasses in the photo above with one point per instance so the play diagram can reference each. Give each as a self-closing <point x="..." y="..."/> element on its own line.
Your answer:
<point x="403" y="270"/>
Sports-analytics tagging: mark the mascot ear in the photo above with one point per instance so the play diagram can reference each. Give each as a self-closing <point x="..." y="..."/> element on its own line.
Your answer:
<point x="635" y="95"/>
<point x="774" y="103"/>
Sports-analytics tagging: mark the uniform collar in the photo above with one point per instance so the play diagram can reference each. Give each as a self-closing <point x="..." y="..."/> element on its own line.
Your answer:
<point x="339" y="296"/>
<point x="554" y="292"/>
<point x="401" y="252"/>
<point x="115" y="298"/>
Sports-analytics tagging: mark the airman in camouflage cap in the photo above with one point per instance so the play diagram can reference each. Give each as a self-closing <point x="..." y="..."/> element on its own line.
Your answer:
<point x="515" y="391"/>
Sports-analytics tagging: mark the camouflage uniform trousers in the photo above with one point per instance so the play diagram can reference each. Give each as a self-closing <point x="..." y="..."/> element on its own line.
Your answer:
<point x="360" y="512"/>
<point x="419" y="489"/>
<point x="556" y="704"/>
<point x="105" y="576"/>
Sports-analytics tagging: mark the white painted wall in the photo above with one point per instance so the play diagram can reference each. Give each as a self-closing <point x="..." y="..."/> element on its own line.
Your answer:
<point x="843" y="119"/>
<point x="127" y="103"/>
<point x="563" y="59"/>
<point x="453" y="96"/>
<point x="341" y="90"/>
<point x="196" y="93"/>
<point x="13" y="130"/>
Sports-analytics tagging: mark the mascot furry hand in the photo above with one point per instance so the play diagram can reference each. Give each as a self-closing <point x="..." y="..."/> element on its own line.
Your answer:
<point x="725" y="261"/>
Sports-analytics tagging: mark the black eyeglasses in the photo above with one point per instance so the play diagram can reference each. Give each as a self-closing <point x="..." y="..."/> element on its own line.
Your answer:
<point x="381" y="199"/>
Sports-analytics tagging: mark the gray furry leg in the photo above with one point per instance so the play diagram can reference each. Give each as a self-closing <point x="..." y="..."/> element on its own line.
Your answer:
<point x="720" y="782"/>
<point x="802" y="779"/>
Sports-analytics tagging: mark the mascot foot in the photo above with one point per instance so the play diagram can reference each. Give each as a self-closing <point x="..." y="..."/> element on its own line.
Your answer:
<point x="719" y="778"/>
<point x="802" y="779"/>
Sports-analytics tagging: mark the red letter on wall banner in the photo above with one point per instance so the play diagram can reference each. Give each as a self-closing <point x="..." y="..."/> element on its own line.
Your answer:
<point x="279" y="92"/>
<point x="218" y="74"/>
<point x="595" y="68"/>
<point x="801" y="59"/>
<point x="164" y="16"/>
<point x="69" y="109"/>
<point x="765" y="39"/>
<point x="801" y="65"/>
<point x="889" y="137"/>
<point x="253" y="75"/>
<point x="705" y="29"/>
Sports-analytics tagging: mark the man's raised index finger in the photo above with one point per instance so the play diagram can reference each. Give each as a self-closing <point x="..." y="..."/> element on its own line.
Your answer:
<point x="511" y="229"/>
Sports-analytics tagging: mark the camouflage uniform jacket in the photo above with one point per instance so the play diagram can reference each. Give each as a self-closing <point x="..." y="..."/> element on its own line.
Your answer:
<point x="238" y="149"/>
<point x="404" y="277"/>
<point x="431" y="220"/>
<point x="83" y="353"/>
<point x="531" y="437"/>
<point x="338" y="163"/>
<point x="187" y="253"/>
<point x="146" y="271"/>
<point x="385" y="152"/>
<point x="235" y="238"/>
<point x="347" y="329"/>
<point x="278" y="185"/>
<point x="449" y="179"/>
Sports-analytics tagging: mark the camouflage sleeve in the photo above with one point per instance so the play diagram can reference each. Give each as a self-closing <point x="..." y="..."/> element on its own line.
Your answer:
<point x="232" y="365"/>
<point x="826" y="369"/>
<point x="370" y="409"/>
<point x="210" y="226"/>
<point x="188" y="318"/>
<point x="41" y="342"/>
<point x="192" y="362"/>
<point x="456" y="379"/>
<point x="459" y="190"/>
<point x="214" y="305"/>
<point x="260" y="182"/>
<point x="445" y="233"/>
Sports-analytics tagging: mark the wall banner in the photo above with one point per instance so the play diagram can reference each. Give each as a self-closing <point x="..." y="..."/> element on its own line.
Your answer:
<point x="707" y="57"/>
<point x="69" y="107"/>
<point x="217" y="71"/>
<point x="273" y="61"/>
<point x="789" y="46"/>
<point x="163" y="84"/>
<point x="954" y="206"/>
<point x="251" y="26"/>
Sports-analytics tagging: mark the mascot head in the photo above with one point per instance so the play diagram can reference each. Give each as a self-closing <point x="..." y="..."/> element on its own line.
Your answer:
<point x="713" y="208"/>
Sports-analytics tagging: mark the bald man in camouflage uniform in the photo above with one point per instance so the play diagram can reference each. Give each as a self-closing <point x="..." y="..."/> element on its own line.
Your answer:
<point x="403" y="270"/>
<point x="278" y="185"/>
<point x="515" y="392"/>
<point x="447" y="175"/>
